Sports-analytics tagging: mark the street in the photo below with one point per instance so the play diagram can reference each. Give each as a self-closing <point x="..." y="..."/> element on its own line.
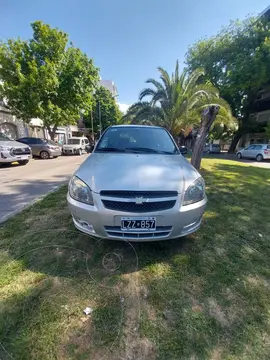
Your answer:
<point x="22" y="185"/>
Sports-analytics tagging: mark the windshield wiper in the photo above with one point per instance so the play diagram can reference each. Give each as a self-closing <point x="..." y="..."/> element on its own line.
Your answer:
<point x="110" y="149"/>
<point x="148" y="150"/>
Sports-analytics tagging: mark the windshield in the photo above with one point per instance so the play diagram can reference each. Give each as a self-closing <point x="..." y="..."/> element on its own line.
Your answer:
<point x="4" y="137"/>
<point x="50" y="142"/>
<point x="73" y="141"/>
<point x="137" y="139"/>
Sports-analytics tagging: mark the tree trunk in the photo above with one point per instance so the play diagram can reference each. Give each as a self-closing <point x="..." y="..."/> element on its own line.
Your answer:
<point x="208" y="117"/>
<point x="51" y="131"/>
<point x="236" y="138"/>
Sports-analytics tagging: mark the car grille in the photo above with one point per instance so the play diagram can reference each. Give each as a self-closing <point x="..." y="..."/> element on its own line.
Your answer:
<point x="133" y="194"/>
<point x="138" y="208"/>
<point x="161" y="231"/>
<point x="20" y="151"/>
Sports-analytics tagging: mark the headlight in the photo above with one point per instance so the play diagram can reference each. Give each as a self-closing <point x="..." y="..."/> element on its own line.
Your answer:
<point x="195" y="192"/>
<point x="78" y="190"/>
<point x="5" y="148"/>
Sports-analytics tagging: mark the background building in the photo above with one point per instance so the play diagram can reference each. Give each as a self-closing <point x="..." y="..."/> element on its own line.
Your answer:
<point x="9" y="124"/>
<point x="110" y="85"/>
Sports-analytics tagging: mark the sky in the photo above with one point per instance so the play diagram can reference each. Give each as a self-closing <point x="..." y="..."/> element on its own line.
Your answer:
<point x="128" y="39"/>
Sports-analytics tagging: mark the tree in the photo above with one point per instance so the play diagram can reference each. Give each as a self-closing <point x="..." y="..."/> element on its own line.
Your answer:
<point x="45" y="78"/>
<point x="237" y="61"/>
<point x="104" y="109"/>
<point x="178" y="102"/>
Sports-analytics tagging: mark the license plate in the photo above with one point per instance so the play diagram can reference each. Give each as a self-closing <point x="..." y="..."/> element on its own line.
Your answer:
<point x="144" y="223"/>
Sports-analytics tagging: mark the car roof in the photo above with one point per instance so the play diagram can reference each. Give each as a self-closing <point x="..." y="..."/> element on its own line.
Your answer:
<point x="77" y="137"/>
<point x="258" y="144"/>
<point x="32" y="137"/>
<point x="136" y="126"/>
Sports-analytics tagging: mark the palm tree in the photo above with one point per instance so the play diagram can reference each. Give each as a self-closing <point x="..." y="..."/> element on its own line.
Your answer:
<point x="177" y="101"/>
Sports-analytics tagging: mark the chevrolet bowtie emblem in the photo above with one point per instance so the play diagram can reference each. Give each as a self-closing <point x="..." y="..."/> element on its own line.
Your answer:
<point x="139" y="200"/>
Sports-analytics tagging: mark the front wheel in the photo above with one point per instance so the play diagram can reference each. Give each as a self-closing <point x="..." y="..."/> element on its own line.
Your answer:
<point x="80" y="152"/>
<point x="259" y="157"/>
<point x="44" y="155"/>
<point x="23" y="162"/>
<point x="239" y="156"/>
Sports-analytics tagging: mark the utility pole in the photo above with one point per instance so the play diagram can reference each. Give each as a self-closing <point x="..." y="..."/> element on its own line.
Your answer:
<point x="92" y="125"/>
<point x="99" y="114"/>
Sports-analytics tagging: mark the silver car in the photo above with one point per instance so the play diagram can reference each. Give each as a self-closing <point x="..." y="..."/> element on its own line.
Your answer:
<point x="136" y="186"/>
<point x="13" y="151"/>
<point x="43" y="148"/>
<point x="212" y="149"/>
<point x="255" y="151"/>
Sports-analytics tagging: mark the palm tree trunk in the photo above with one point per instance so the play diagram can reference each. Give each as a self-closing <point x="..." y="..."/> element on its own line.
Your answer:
<point x="208" y="117"/>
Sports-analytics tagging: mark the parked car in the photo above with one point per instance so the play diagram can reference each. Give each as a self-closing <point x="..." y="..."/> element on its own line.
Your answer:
<point x="75" y="145"/>
<point x="42" y="148"/>
<point x="13" y="151"/>
<point x="212" y="149"/>
<point x="183" y="150"/>
<point x="255" y="151"/>
<point x="136" y="186"/>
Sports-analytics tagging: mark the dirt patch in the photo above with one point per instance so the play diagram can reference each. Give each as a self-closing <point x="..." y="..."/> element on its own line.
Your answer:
<point x="216" y="312"/>
<point x="136" y="348"/>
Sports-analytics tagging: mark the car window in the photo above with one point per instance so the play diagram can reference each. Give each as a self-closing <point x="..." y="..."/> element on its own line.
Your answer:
<point x="250" y="147"/>
<point x="24" y="140"/>
<point x="82" y="142"/>
<point x="4" y="137"/>
<point x="39" y="141"/>
<point x="268" y="146"/>
<point x="257" y="147"/>
<point x="73" y="141"/>
<point x="138" y="139"/>
<point x="32" y="141"/>
<point x="86" y="142"/>
<point x="216" y="145"/>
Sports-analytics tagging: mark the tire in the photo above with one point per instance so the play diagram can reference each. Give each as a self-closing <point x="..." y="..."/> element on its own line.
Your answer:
<point x="239" y="155"/>
<point x="259" y="157"/>
<point x="55" y="157"/>
<point x="44" y="155"/>
<point x="23" y="162"/>
<point x="80" y="152"/>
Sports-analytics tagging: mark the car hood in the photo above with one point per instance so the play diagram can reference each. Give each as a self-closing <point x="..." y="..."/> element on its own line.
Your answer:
<point x="136" y="172"/>
<point x="73" y="146"/>
<point x="13" y="144"/>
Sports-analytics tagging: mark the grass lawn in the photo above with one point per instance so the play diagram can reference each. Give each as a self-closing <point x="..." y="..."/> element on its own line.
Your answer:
<point x="206" y="296"/>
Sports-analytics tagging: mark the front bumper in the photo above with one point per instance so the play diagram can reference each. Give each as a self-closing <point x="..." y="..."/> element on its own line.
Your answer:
<point x="55" y="152"/>
<point x="71" y="151"/>
<point x="6" y="157"/>
<point x="104" y="223"/>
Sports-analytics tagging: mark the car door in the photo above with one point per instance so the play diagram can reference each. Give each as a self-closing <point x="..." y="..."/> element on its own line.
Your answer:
<point x="82" y="144"/>
<point x="257" y="150"/>
<point x="34" y="146"/>
<point x="41" y="145"/>
<point x="247" y="152"/>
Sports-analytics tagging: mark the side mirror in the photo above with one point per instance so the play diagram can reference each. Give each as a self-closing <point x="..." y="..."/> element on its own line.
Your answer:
<point x="183" y="150"/>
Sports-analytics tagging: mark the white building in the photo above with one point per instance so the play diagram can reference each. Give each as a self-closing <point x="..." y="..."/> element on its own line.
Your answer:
<point x="110" y="85"/>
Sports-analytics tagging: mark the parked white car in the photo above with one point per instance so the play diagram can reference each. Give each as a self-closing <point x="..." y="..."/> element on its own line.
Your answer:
<point x="212" y="149"/>
<point x="255" y="151"/>
<point x="75" y="145"/>
<point x="13" y="151"/>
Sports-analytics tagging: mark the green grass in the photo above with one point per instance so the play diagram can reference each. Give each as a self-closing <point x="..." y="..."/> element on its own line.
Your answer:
<point x="206" y="296"/>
